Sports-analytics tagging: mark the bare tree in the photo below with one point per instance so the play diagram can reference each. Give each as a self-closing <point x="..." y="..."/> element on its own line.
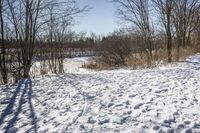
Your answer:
<point x="165" y="9"/>
<point x="60" y="15"/>
<point x="27" y="18"/>
<point x="138" y="14"/>
<point x="24" y="16"/>
<point x="116" y="49"/>
<point x="3" y="51"/>
<point x="185" y="21"/>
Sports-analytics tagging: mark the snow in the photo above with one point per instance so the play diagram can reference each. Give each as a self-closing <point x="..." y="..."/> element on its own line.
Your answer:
<point x="73" y="65"/>
<point x="160" y="100"/>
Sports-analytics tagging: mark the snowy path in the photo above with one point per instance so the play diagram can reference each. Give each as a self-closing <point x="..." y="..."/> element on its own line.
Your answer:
<point x="164" y="100"/>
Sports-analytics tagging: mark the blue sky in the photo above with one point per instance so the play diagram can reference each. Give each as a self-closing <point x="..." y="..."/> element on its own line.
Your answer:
<point x="101" y="18"/>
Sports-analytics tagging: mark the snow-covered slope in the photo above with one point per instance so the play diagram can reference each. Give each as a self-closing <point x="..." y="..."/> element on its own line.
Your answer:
<point x="164" y="99"/>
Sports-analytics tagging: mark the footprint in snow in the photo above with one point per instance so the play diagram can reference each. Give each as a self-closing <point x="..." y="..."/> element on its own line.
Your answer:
<point x="103" y="121"/>
<point x="181" y="126"/>
<point x="163" y="90"/>
<point x="91" y="96"/>
<point x="133" y="95"/>
<point x="187" y="122"/>
<point x="196" y="125"/>
<point x="120" y="95"/>
<point x="156" y="128"/>
<point x="110" y="105"/>
<point x="169" y="121"/>
<point x="125" y="119"/>
<point x="188" y="131"/>
<point x="138" y="105"/>
<point x="91" y="120"/>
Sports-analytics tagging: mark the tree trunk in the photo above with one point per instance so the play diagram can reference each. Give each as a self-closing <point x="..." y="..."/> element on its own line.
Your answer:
<point x="178" y="49"/>
<point x="3" y="64"/>
<point x="26" y="71"/>
<point x="169" y="36"/>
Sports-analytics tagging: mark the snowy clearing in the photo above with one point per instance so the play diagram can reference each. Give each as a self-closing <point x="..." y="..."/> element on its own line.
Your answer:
<point x="164" y="100"/>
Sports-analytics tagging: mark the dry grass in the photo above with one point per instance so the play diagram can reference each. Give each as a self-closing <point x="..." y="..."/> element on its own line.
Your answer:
<point x="185" y="52"/>
<point x="44" y="71"/>
<point x="137" y="61"/>
<point x="141" y="60"/>
<point x="96" y="66"/>
<point x="1" y="80"/>
<point x="91" y="65"/>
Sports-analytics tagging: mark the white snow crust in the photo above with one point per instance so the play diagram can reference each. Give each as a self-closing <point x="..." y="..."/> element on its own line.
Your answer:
<point x="165" y="99"/>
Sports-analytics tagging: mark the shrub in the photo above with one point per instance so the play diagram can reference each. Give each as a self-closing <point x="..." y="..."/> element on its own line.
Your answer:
<point x="116" y="49"/>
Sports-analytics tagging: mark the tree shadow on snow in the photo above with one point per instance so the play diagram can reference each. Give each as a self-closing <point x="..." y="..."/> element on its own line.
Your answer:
<point x="21" y="97"/>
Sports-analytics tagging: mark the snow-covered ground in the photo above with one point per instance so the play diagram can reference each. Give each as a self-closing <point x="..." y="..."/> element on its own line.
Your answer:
<point x="71" y="65"/>
<point x="161" y="100"/>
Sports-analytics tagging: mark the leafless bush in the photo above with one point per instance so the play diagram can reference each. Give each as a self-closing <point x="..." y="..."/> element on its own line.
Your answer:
<point x="115" y="50"/>
<point x="91" y="65"/>
<point x="43" y="70"/>
<point x="95" y="64"/>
